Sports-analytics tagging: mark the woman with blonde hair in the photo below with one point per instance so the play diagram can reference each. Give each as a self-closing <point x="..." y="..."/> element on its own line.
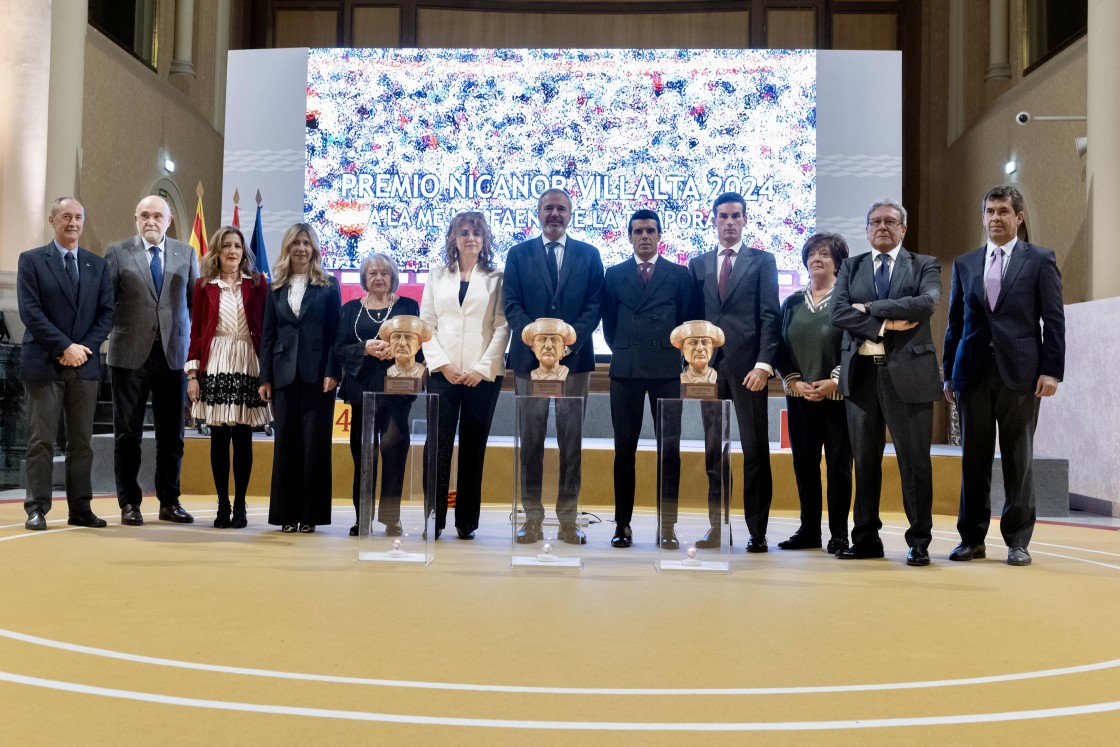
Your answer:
<point x="223" y="365"/>
<point x="299" y="374"/>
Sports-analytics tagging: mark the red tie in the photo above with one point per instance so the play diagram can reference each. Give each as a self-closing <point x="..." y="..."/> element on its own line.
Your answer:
<point x="725" y="273"/>
<point x="644" y="271"/>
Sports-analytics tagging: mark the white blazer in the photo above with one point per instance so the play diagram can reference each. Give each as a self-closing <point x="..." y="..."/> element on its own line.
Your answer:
<point x="471" y="336"/>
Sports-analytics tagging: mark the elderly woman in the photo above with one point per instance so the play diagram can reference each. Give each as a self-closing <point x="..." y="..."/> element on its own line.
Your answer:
<point x="365" y="358"/>
<point x="223" y="365"/>
<point x="463" y="304"/>
<point x="809" y="361"/>
<point x="299" y="374"/>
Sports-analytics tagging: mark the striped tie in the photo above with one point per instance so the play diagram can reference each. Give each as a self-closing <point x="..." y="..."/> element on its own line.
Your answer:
<point x="157" y="270"/>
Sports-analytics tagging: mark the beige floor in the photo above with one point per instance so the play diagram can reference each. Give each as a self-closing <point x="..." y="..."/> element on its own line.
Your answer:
<point x="169" y="634"/>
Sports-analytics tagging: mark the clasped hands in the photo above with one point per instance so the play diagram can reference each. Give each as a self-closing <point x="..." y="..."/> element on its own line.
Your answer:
<point x="453" y="375"/>
<point x="75" y="355"/>
<point x="378" y="349"/>
<point x="814" y="391"/>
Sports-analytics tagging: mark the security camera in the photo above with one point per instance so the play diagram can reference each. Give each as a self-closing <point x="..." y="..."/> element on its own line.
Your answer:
<point x="1022" y="118"/>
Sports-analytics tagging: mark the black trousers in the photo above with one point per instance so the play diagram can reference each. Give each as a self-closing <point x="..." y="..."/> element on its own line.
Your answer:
<point x="758" y="482"/>
<point x="301" y="460"/>
<point x="813" y="425"/>
<point x="873" y="406"/>
<point x="982" y="409"/>
<point x="471" y="409"/>
<point x="569" y="437"/>
<point x="627" y="399"/>
<point x="242" y="438"/>
<point x="389" y="446"/>
<point x="168" y="390"/>
<point x="75" y="399"/>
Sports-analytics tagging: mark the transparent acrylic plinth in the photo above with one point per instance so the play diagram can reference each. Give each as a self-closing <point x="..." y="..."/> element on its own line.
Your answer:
<point x="398" y="528"/>
<point x="694" y="485"/>
<point x="547" y="464"/>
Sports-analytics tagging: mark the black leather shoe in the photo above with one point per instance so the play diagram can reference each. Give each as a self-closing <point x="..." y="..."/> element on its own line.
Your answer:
<point x="758" y="544"/>
<point x="36" y="521"/>
<point x="87" y="520"/>
<point x="862" y="552"/>
<point x="571" y="534"/>
<point x="669" y="539"/>
<point x="221" y="519"/>
<point x="836" y="544"/>
<point x="1018" y="556"/>
<point x="968" y="552"/>
<point x="801" y="541"/>
<point x="394" y="530"/>
<point x="710" y="540"/>
<point x="917" y="556"/>
<point x="131" y="515"/>
<point x="288" y="528"/>
<point x="623" y="536"/>
<point x="240" y="520"/>
<point x="529" y="533"/>
<point x="465" y="534"/>
<point x="354" y="531"/>
<point x="306" y="528"/>
<point x="176" y="514"/>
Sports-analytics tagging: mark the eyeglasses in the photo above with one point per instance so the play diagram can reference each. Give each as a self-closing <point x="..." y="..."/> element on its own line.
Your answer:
<point x="885" y="222"/>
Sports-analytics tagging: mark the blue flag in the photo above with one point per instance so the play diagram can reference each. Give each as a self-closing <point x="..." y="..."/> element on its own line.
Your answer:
<point x="256" y="245"/>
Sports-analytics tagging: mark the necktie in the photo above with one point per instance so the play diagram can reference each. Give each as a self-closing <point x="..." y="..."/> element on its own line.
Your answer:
<point x="72" y="272"/>
<point x="994" y="278"/>
<point x="725" y="273"/>
<point x="157" y="270"/>
<point x="644" y="272"/>
<point x="550" y="252"/>
<point x="883" y="277"/>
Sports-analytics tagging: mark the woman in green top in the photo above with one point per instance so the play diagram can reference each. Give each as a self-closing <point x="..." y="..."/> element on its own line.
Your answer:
<point x="809" y="361"/>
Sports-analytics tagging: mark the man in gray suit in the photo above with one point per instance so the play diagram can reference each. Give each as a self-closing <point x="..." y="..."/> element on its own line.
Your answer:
<point x="889" y="376"/>
<point x="153" y="280"/>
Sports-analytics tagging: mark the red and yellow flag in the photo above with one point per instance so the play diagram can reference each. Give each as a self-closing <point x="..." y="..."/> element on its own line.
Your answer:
<point x="198" y="231"/>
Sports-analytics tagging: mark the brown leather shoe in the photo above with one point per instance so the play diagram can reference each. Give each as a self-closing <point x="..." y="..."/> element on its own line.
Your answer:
<point x="175" y="513"/>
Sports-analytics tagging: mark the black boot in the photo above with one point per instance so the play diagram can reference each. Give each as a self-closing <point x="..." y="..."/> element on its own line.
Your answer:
<point x="239" y="519"/>
<point x="221" y="521"/>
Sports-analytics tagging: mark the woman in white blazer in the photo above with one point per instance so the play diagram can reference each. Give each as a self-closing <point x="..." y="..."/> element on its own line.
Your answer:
<point x="466" y="356"/>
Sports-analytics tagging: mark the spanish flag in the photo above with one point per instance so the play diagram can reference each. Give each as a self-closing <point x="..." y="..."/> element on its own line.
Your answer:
<point x="198" y="232"/>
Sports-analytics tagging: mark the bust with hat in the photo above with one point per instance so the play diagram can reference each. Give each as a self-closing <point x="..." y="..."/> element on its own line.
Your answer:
<point x="405" y="334"/>
<point x="549" y="338"/>
<point x="697" y="340"/>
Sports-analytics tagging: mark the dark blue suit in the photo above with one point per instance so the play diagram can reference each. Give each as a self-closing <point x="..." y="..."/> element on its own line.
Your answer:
<point x="637" y="322"/>
<point x="994" y="358"/>
<point x="56" y="319"/>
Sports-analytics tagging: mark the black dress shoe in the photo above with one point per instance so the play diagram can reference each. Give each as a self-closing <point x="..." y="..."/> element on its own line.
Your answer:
<point x="175" y="513"/>
<point x="836" y="544"/>
<point x="571" y="534"/>
<point x="669" y="539"/>
<point x="917" y="556"/>
<point x="87" y="520"/>
<point x="394" y="530"/>
<point x="306" y="528"/>
<point x="758" y="544"/>
<point x="801" y="541"/>
<point x="623" y="537"/>
<point x="221" y="519"/>
<point x="529" y="533"/>
<point x="354" y="531"/>
<point x="289" y="528"/>
<point x="239" y="520"/>
<point x="465" y="534"/>
<point x="36" y="521"/>
<point x="968" y="552"/>
<point x="862" y="552"/>
<point x="710" y="540"/>
<point x="1018" y="556"/>
<point x="131" y="515"/>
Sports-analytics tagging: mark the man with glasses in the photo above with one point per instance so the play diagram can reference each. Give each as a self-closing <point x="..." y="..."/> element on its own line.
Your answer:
<point x="889" y="376"/>
<point x="153" y="281"/>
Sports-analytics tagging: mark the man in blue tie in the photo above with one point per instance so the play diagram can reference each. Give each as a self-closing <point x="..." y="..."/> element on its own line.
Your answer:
<point x="153" y="281"/>
<point x="889" y="376"/>
<point x="1004" y="351"/>
<point x="66" y="303"/>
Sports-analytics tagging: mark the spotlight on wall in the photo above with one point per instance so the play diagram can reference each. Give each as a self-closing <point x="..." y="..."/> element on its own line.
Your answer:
<point x="1010" y="167"/>
<point x="1082" y="145"/>
<point x="169" y="166"/>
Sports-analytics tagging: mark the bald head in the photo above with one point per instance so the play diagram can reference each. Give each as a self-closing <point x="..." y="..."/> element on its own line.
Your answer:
<point x="153" y="218"/>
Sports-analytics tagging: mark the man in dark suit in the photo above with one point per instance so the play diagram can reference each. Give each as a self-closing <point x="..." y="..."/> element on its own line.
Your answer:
<point x="66" y="303"/>
<point x="643" y="299"/>
<point x="883" y="300"/>
<point x="552" y="276"/>
<point x="735" y="287"/>
<point x="1004" y="350"/>
<point x="153" y="280"/>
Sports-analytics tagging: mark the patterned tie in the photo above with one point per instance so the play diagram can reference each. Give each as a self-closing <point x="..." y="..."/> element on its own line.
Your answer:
<point x="72" y="272"/>
<point x="725" y="273"/>
<point x="550" y="252"/>
<point x="157" y="270"/>
<point x="644" y="270"/>
<point x="883" y="276"/>
<point x="994" y="278"/>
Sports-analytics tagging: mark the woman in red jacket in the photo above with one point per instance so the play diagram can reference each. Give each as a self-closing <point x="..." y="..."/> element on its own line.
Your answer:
<point x="223" y="365"/>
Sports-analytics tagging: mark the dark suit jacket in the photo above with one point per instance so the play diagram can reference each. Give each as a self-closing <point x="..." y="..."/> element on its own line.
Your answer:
<point x="1030" y="292"/>
<point x="54" y="319"/>
<point x="207" y="304"/>
<point x="914" y="294"/>
<point x="528" y="295"/>
<point x="750" y="316"/>
<point x="638" y="319"/>
<point x="300" y="348"/>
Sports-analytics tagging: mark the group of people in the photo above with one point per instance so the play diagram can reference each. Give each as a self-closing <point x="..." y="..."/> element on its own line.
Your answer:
<point x="854" y="348"/>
